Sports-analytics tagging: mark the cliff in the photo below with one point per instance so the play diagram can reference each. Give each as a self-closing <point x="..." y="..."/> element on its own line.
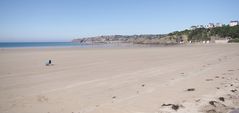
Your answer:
<point x="196" y="35"/>
<point x="137" y="39"/>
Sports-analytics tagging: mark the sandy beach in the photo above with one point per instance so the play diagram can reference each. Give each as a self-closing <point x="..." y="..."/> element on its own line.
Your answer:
<point x="182" y="79"/>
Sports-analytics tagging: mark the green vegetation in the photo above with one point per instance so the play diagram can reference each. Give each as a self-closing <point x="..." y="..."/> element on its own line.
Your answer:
<point x="226" y="31"/>
<point x="201" y="34"/>
<point x="234" y="40"/>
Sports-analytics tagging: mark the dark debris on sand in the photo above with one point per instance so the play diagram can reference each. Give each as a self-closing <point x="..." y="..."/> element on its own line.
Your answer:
<point x="233" y="90"/>
<point x="216" y="107"/>
<point x="191" y="89"/>
<point x="173" y="106"/>
<point x="166" y="105"/>
<point x="215" y="103"/>
<point x="212" y="103"/>
<point x="221" y="99"/>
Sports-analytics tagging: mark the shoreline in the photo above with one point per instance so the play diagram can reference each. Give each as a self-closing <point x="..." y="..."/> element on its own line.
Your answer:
<point x="127" y="45"/>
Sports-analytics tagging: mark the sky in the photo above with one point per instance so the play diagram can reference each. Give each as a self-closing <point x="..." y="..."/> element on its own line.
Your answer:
<point x="64" y="20"/>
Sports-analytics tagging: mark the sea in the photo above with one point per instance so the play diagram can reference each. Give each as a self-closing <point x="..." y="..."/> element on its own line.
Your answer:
<point x="70" y="44"/>
<point x="63" y="44"/>
<point x="39" y="44"/>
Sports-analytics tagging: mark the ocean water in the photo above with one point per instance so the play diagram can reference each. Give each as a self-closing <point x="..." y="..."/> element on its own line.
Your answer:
<point x="38" y="44"/>
<point x="69" y="44"/>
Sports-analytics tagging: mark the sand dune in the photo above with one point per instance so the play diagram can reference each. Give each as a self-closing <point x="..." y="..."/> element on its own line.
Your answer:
<point x="186" y="79"/>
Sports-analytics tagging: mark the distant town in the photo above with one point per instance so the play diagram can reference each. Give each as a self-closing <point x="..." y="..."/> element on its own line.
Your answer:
<point x="213" y="25"/>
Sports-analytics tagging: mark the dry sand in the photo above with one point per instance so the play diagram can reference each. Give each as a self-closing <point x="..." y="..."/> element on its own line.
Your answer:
<point x="189" y="79"/>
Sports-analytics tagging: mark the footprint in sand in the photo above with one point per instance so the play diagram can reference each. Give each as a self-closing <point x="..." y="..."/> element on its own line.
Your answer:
<point x="41" y="98"/>
<point x="143" y="85"/>
<point x="219" y="60"/>
<point x="137" y="92"/>
<point x="198" y="100"/>
<point x="209" y="79"/>
<point x="230" y="70"/>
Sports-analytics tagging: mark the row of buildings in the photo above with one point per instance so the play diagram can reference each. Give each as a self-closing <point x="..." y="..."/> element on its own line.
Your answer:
<point x="212" y="25"/>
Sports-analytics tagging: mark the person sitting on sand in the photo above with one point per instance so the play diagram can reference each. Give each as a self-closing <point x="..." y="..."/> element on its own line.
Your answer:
<point x="48" y="63"/>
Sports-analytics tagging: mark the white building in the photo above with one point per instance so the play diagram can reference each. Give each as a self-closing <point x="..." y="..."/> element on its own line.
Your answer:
<point x="200" y="26"/>
<point x="193" y="27"/>
<point x="196" y="27"/>
<point x="210" y="25"/>
<point x="233" y="23"/>
<point x="218" y="25"/>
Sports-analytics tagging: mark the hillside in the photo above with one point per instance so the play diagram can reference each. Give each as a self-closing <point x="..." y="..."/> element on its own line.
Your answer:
<point x="139" y="39"/>
<point x="204" y="34"/>
<point x="196" y="35"/>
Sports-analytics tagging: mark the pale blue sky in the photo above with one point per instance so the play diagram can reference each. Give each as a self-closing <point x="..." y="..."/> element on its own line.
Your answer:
<point x="64" y="20"/>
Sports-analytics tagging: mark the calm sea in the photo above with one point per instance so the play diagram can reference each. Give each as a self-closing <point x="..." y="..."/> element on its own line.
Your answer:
<point x="68" y="44"/>
<point x="37" y="44"/>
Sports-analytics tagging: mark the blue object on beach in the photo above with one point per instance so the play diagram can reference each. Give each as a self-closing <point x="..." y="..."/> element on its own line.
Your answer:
<point x="235" y="111"/>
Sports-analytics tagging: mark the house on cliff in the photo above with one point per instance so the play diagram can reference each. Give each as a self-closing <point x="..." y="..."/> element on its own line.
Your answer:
<point x="233" y="23"/>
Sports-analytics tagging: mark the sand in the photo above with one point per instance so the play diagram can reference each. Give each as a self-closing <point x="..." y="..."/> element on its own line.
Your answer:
<point x="182" y="79"/>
